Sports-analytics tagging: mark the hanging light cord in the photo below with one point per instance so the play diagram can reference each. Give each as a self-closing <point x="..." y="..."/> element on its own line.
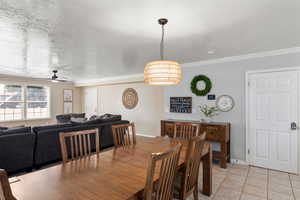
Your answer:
<point x="162" y="43"/>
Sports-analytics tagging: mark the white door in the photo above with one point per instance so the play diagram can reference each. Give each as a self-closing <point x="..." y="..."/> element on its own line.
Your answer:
<point x="273" y="107"/>
<point x="91" y="101"/>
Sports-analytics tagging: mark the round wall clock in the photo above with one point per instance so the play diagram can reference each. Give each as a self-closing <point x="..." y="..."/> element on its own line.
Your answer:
<point x="225" y="103"/>
<point x="130" y="98"/>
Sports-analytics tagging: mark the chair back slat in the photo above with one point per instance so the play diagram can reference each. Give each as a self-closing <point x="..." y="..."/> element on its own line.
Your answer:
<point x="189" y="183"/>
<point x="79" y="143"/>
<point x="124" y="134"/>
<point x="186" y="130"/>
<point x="162" y="189"/>
<point x="5" y="189"/>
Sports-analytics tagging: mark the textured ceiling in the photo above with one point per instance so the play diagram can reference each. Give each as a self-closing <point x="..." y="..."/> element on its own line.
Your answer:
<point x="92" y="39"/>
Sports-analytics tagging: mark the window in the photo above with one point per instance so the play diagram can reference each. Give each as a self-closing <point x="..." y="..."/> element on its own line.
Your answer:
<point x="11" y="102"/>
<point x="19" y="102"/>
<point x="37" y="102"/>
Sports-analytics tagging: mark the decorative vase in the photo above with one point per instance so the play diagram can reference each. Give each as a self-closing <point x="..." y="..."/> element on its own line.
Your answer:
<point x="207" y="119"/>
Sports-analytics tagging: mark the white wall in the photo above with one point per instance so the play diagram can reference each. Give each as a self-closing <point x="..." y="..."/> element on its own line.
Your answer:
<point x="146" y="115"/>
<point x="227" y="78"/>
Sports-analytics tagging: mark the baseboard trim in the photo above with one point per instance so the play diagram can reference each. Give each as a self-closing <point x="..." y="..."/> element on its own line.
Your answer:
<point x="237" y="161"/>
<point x="144" y="135"/>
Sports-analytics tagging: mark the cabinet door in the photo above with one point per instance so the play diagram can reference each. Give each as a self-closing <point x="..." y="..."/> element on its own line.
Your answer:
<point x="213" y="132"/>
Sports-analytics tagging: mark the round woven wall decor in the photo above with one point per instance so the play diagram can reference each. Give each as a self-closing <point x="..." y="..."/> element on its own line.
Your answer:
<point x="130" y="98"/>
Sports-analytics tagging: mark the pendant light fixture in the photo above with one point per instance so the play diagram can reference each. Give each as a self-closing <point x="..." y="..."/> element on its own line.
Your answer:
<point x="162" y="72"/>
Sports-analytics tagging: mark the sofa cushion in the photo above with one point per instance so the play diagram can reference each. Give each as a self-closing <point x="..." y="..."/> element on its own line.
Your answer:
<point x="3" y="128"/>
<point x="93" y="121"/>
<point x="110" y="118"/>
<point x="50" y="127"/>
<point x="78" y="115"/>
<point x="80" y="120"/>
<point x="15" y="130"/>
<point x="62" y="119"/>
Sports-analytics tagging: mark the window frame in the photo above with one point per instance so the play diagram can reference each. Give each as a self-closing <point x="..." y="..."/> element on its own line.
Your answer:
<point x="25" y="101"/>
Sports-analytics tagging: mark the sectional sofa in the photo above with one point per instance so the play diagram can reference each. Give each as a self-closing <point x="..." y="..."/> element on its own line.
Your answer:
<point x="26" y="148"/>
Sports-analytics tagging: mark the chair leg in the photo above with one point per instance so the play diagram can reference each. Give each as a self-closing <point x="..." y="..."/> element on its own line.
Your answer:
<point x="196" y="197"/>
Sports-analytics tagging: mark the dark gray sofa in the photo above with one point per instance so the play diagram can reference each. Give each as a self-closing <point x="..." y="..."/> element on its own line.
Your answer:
<point x="47" y="148"/>
<point x="16" y="149"/>
<point x="26" y="148"/>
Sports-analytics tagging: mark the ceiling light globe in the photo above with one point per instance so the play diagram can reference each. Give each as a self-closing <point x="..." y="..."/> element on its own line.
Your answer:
<point x="162" y="72"/>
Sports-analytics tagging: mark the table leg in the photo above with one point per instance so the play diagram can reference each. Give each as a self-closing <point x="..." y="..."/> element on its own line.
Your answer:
<point x="223" y="161"/>
<point x="207" y="172"/>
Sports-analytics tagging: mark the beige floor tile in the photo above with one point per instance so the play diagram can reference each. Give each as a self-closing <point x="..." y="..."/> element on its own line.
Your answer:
<point x="279" y="181"/>
<point x="278" y="174"/>
<point x="257" y="182"/>
<point x="279" y="196"/>
<point x="239" y="172"/>
<point x="294" y="177"/>
<point x="251" y="197"/>
<point x="280" y="189"/>
<point x="258" y="170"/>
<point x="236" y="178"/>
<point x="232" y="185"/>
<point x="257" y="175"/>
<point x="225" y="194"/>
<point x="236" y="166"/>
<point x="255" y="191"/>
<point x="219" y="173"/>
<point x="218" y="180"/>
<point x="295" y="184"/>
<point x="296" y="193"/>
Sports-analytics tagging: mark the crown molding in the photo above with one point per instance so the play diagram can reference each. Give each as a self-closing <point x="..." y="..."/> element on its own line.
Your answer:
<point x="137" y="78"/>
<point x="114" y="80"/>
<point x="243" y="57"/>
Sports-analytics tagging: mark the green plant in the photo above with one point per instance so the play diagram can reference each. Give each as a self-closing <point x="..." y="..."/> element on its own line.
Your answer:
<point x="209" y="111"/>
<point x="206" y="90"/>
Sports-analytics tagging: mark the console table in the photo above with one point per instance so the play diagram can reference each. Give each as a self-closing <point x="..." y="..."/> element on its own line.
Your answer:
<point x="215" y="132"/>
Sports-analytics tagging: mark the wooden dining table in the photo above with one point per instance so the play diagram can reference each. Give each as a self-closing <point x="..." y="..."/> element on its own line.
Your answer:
<point x="116" y="174"/>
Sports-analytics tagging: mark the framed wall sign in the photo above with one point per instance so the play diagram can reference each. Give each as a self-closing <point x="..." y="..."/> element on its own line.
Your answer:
<point x="211" y="97"/>
<point x="68" y="101"/>
<point x="181" y="104"/>
<point x="68" y="95"/>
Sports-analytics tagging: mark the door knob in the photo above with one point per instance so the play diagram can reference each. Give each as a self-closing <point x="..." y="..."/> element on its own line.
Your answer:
<point x="294" y="126"/>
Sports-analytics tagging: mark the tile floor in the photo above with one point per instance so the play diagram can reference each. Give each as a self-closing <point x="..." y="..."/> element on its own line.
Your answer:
<point x="241" y="182"/>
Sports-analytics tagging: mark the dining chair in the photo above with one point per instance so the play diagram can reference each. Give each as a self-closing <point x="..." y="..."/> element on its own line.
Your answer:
<point x="189" y="176"/>
<point x="5" y="190"/>
<point x="167" y="163"/>
<point x="124" y="134"/>
<point x="80" y="143"/>
<point x="186" y="130"/>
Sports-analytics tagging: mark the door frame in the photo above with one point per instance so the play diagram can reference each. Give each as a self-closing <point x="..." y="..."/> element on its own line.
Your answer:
<point x="247" y="110"/>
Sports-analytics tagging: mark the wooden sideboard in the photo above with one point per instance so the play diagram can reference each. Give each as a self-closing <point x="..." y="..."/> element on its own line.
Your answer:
<point x="216" y="132"/>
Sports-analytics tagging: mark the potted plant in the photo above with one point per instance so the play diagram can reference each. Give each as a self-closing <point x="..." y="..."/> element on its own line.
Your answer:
<point x="209" y="112"/>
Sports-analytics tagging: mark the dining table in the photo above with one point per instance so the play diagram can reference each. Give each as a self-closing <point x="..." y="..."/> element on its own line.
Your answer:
<point x="115" y="174"/>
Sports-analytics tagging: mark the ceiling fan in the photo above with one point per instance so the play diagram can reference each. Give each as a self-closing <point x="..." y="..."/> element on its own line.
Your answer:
<point x="54" y="78"/>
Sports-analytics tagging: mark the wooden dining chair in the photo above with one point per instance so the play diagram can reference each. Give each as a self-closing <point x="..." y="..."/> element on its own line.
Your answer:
<point x="186" y="130"/>
<point x="189" y="176"/>
<point x="124" y="134"/>
<point x="79" y="142"/>
<point x="5" y="190"/>
<point x="162" y="189"/>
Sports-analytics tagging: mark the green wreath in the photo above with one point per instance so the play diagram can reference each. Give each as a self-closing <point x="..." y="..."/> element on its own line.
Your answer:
<point x="207" y="88"/>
